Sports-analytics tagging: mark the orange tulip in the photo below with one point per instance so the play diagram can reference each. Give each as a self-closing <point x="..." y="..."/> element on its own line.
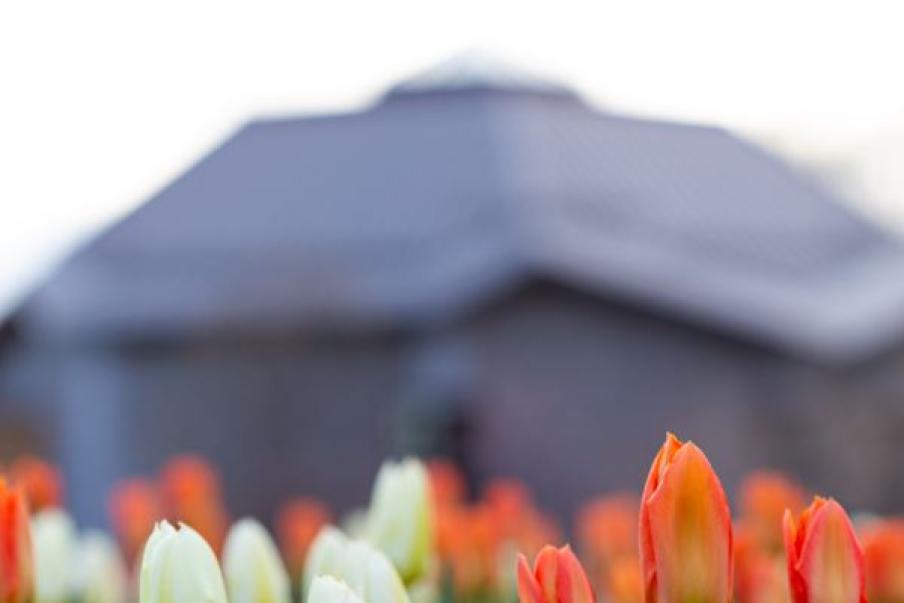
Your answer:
<point x="510" y="501"/>
<point x="191" y="494"/>
<point x="607" y="528"/>
<point x="685" y="529"/>
<point x="624" y="582"/>
<point x="447" y="484"/>
<point x="557" y="577"/>
<point x="40" y="480"/>
<point x="16" y="568"/>
<point x="468" y="541"/>
<point x="825" y="561"/>
<point x="134" y="509"/>
<point x="297" y="524"/>
<point x="764" y="497"/>
<point x="883" y="555"/>
<point x="760" y="576"/>
<point x="516" y="516"/>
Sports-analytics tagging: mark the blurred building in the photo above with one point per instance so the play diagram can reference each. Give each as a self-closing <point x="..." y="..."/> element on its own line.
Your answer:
<point x="479" y="265"/>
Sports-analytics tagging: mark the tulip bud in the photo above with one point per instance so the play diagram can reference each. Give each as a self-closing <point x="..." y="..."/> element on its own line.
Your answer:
<point x="190" y="490"/>
<point x="764" y="496"/>
<point x="685" y="529"/>
<point x="366" y="570"/>
<point x="760" y="576"/>
<point x="607" y="529"/>
<point x="298" y="523"/>
<point x="325" y="557"/>
<point x="883" y="555"/>
<point x="447" y="483"/>
<point x="134" y="508"/>
<point x="102" y="576"/>
<point x="40" y="480"/>
<point x="253" y="569"/>
<point x="16" y="567"/>
<point x="179" y="565"/>
<point x="400" y="521"/>
<point x="825" y="561"/>
<point x="557" y="577"/>
<point x="327" y="589"/>
<point x="54" y="542"/>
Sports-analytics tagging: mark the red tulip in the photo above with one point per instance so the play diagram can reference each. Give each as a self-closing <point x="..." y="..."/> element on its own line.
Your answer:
<point x="825" y="561"/>
<point x="297" y="524"/>
<point x="883" y="554"/>
<point x="557" y="577"/>
<point x="447" y="484"/>
<point x="685" y="529"/>
<point x="190" y="489"/>
<point x="516" y="516"/>
<point x="469" y="544"/>
<point x="39" y="480"/>
<point x="16" y="568"/>
<point x="134" y="509"/>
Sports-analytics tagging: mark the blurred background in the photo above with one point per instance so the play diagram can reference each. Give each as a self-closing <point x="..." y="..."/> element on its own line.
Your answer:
<point x="298" y="238"/>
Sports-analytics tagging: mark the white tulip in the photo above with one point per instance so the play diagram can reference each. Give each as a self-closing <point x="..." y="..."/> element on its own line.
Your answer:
<point x="327" y="589"/>
<point x="365" y="570"/>
<point x="400" y="521"/>
<point x="325" y="556"/>
<point x="102" y="575"/>
<point x="179" y="566"/>
<point x="53" y="537"/>
<point x="252" y="566"/>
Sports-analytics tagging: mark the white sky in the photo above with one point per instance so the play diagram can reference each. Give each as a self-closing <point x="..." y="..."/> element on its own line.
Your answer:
<point x="101" y="103"/>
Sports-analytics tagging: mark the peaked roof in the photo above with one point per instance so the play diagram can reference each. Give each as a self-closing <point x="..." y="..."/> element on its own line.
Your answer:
<point x="450" y="190"/>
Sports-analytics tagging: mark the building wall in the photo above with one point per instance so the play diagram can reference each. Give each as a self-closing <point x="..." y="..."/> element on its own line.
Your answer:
<point x="572" y="394"/>
<point x="581" y="393"/>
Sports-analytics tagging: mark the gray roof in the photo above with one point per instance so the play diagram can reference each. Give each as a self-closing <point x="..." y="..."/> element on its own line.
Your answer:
<point x="439" y="197"/>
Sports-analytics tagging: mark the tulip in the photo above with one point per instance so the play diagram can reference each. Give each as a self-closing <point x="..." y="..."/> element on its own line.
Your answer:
<point x="179" y="566"/>
<point x="519" y="520"/>
<point x="400" y="521"/>
<point x="685" y="529"/>
<point x="883" y="555"/>
<point x="365" y="569"/>
<point x="327" y="589"/>
<point x="102" y="576"/>
<point x="298" y="523"/>
<point x="764" y="497"/>
<point x="134" y="508"/>
<point x="624" y="581"/>
<point x="511" y="504"/>
<point x="252" y="567"/>
<point x="607" y="528"/>
<point x="825" y="561"/>
<point x="760" y="575"/>
<point x="16" y="567"/>
<point x="447" y="483"/>
<point x="190" y="489"/>
<point x="54" y="540"/>
<point x="41" y="481"/>
<point x="557" y="577"/>
<point x="468" y="543"/>
<point x="326" y="556"/>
